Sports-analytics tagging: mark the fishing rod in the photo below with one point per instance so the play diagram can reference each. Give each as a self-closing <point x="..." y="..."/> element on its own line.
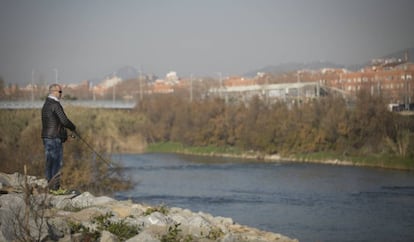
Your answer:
<point x="56" y="178"/>
<point x="76" y="134"/>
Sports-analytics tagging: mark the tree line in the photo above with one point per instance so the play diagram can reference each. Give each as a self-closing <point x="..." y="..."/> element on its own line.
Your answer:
<point x="326" y="124"/>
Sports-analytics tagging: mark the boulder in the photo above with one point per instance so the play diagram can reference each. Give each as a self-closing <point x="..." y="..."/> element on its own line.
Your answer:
<point x="28" y="215"/>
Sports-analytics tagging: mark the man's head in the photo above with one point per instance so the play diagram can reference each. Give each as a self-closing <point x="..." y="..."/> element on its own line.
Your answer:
<point x="55" y="90"/>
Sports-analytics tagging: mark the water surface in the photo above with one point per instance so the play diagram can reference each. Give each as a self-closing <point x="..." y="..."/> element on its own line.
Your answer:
<point x="310" y="202"/>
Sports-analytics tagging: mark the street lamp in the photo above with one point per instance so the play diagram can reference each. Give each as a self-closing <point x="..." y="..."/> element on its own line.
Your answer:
<point x="140" y="84"/>
<point x="220" y="83"/>
<point x="56" y="75"/>
<point x="32" y="85"/>
<point x="191" y="88"/>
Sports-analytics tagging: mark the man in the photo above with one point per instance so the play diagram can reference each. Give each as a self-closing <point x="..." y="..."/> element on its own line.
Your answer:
<point x="54" y="124"/>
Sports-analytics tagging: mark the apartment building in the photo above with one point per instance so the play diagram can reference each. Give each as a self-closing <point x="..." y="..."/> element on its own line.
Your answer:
<point x="392" y="80"/>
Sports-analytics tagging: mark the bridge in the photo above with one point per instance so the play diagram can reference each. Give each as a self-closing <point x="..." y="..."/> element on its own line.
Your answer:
<point x="106" y="104"/>
<point x="282" y="91"/>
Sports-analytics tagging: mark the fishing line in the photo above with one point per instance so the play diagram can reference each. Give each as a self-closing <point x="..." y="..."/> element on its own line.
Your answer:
<point x="76" y="134"/>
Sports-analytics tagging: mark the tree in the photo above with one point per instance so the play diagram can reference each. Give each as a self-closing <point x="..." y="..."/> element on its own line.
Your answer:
<point x="334" y="124"/>
<point x="399" y="135"/>
<point x="368" y="123"/>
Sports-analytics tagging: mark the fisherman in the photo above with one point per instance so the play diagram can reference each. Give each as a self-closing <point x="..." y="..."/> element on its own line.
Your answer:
<point x="54" y="134"/>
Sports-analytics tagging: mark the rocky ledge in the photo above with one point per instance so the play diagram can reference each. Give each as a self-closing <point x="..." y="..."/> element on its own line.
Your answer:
<point x="28" y="213"/>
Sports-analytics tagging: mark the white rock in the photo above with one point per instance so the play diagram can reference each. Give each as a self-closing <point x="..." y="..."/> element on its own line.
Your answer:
<point x="86" y="200"/>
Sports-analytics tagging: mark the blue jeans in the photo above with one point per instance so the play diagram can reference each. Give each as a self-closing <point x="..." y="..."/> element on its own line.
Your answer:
<point x="54" y="155"/>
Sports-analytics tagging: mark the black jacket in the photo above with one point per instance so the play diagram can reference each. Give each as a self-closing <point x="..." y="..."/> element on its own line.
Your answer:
<point x="54" y="120"/>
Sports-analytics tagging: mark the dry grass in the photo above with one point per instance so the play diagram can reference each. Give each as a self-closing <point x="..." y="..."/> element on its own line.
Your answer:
<point x="106" y="131"/>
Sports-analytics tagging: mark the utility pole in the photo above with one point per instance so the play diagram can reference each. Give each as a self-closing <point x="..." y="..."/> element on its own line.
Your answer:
<point x="93" y="92"/>
<point x="220" y="83"/>
<point x="140" y="84"/>
<point x="299" y="89"/>
<point x="113" y="90"/>
<point x="32" y="85"/>
<point x="191" y="88"/>
<point x="267" y="89"/>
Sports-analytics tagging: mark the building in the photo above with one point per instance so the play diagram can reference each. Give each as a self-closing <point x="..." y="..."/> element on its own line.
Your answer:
<point x="393" y="80"/>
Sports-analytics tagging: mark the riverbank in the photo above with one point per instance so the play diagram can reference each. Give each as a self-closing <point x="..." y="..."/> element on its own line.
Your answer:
<point x="384" y="162"/>
<point x="29" y="213"/>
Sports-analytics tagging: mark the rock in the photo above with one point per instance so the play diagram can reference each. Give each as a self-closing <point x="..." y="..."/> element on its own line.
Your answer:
<point x="125" y="209"/>
<point x="157" y="218"/>
<point x="76" y="218"/>
<point x="86" y="200"/>
<point x="63" y="202"/>
<point x="17" y="181"/>
<point x="179" y="219"/>
<point x="198" y="226"/>
<point x="144" y="236"/>
<point x="15" y="217"/>
<point x="108" y="237"/>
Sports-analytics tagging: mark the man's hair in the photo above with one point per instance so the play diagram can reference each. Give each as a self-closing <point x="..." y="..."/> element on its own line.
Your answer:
<point x="53" y="86"/>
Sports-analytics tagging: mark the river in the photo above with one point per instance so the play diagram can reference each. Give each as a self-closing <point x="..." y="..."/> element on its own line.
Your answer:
<point x="310" y="202"/>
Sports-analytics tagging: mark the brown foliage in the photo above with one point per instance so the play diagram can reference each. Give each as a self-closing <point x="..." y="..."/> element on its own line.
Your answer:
<point x="326" y="124"/>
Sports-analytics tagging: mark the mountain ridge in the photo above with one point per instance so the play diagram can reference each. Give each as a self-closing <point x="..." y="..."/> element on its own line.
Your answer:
<point x="128" y="72"/>
<point x="314" y="65"/>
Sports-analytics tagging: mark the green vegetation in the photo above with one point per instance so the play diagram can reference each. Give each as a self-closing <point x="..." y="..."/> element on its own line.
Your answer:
<point x="174" y="147"/>
<point x="161" y="209"/>
<point x="373" y="160"/>
<point x="215" y="233"/>
<point x="60" y="191"/>
<point x="173" y="235"/>
<point x="87" y="234"/>
<point x="121" y="229"/>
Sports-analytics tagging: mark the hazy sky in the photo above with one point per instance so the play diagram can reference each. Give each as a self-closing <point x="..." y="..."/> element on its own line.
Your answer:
<point x="84" y="39"/>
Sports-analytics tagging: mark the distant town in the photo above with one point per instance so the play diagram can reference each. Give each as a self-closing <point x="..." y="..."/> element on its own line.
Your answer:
<point x="391" y="78"/>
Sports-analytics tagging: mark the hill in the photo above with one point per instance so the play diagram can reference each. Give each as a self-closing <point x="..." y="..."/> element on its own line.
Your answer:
<point x="315" y="65"/>
<point x="402" y="54"/>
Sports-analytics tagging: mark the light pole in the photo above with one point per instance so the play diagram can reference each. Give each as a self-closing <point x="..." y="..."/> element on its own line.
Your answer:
<point x="32" y="85"/>
<point x="113" y="89"/>
<point x="56" y="75"/>
<point x="140" y="85"/>
<point x="299" y="89"/>
<point x="220" y="83"/>
<point x="191" y="88"/>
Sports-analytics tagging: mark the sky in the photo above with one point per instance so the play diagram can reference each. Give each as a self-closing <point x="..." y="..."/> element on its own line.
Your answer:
<point x="78" y="40"/>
